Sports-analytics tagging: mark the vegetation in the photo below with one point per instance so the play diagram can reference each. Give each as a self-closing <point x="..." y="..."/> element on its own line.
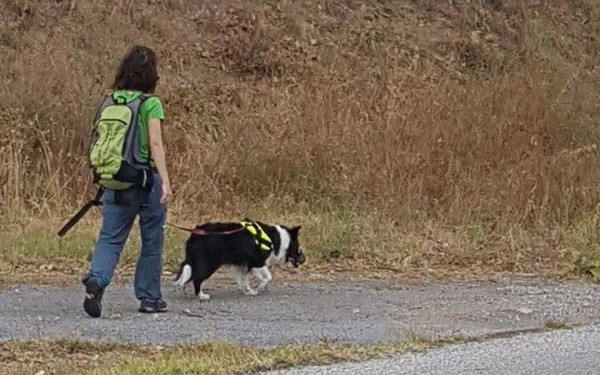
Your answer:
<point x="211" y="358"/>
<point x="405" y="135"/>
<point x="69" y="357"/>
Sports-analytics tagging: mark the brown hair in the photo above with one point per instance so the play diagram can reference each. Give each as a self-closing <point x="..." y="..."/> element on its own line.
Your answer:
<point x="137" y="71"/>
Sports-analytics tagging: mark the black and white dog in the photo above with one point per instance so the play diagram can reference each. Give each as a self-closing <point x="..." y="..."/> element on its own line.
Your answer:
<point x="214" y="245"/>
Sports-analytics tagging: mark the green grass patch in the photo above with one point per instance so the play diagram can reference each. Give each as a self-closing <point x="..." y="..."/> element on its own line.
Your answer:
<point x="222" y="358"/>
<point x="582" y="243"/>
<point x="556" y="324"/>
<point x="327" y="235"/>
<point x="365" y="240"/>
<point x="37" y="245"/>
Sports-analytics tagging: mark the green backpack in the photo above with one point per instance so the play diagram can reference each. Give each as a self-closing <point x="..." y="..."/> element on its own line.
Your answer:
<point x="115" y="156"/>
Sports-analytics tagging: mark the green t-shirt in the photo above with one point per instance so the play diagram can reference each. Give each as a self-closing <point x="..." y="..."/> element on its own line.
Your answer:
<point x="151" y="109"/>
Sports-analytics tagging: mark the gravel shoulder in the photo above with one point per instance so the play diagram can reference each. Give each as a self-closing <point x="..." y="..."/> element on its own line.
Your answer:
<point x="295" y="312"/>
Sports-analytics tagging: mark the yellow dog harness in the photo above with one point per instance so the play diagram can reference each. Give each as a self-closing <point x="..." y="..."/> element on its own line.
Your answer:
<point x="262" y="240"/>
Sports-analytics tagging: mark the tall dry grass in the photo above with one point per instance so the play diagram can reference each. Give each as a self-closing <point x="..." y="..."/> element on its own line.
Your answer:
<point x="401" y="133"/>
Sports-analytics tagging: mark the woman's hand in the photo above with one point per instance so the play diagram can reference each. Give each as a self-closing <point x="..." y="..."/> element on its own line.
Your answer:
<point x="166" y="193"/>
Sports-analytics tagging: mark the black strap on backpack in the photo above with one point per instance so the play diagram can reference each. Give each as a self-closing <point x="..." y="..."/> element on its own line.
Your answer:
<point x="81" y="213"/>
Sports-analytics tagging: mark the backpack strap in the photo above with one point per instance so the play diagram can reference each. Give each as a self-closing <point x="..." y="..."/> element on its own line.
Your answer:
<point x="132" y="141"/>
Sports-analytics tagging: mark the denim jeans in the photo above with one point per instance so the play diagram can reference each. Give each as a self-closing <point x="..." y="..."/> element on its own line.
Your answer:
<point x="117" y="220"/>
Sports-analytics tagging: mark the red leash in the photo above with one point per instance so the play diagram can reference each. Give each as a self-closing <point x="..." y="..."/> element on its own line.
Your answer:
<point x="201" y="232"/>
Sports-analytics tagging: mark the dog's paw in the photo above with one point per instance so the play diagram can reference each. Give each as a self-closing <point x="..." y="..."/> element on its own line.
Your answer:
<point x="189" y="295"/>
<point x="263" y="288"/>
<point x="203" y="297"/>
<point x="180" y="290"/>
<point x="250" y="292"/>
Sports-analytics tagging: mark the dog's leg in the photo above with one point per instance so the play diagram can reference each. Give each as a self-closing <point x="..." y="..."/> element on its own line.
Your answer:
<point x="259" y="276"/>
<point x="203" y="296"/>
<point x="241" y="276"/>
<point x="185" y="275"/>
<point x="264" y="277"/>
<point x="239" y="273"/>
<point x="198" y="291"/>
<point x="184" y="291"/>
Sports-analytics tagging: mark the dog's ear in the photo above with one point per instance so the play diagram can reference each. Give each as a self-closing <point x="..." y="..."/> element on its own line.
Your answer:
<point x="295" y="231"/>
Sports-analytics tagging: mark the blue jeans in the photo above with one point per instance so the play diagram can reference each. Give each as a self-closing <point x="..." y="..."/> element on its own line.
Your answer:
<point x="118" y="218"/>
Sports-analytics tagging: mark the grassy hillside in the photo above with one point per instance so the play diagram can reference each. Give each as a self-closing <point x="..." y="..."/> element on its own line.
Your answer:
<point x="402" y="134"/>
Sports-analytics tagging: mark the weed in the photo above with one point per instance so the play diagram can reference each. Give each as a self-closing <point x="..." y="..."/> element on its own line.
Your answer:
<point x="442" y="134"/>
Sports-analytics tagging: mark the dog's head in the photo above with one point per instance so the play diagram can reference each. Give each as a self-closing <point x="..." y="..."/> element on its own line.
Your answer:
<point x="294" y="253"/>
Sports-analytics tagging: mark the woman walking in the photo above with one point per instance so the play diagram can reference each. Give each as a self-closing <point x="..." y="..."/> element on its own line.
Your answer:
<point x="146" y="197"/>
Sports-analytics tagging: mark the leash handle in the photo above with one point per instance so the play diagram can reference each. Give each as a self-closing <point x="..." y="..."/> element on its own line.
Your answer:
<point x="81" y="213"/>
<point x="75" y="219"/>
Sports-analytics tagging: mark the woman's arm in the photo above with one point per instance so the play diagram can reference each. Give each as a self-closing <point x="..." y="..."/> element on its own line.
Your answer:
<point x="158" y="155"/>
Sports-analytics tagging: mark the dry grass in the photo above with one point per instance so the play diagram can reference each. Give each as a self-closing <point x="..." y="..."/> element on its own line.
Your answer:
<point x="213" y="358"/>
<point x="62" y="357"/>
<point x="67" y="357"/>
<point x="556" y="324"/>
<point x="401" y="134"/>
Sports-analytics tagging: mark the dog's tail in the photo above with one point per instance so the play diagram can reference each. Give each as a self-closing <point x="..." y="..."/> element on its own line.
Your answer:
<point x="184" y="275"/>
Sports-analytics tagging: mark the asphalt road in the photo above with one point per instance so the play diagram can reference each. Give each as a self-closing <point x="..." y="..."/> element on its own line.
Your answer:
<point x="564" y="352"/>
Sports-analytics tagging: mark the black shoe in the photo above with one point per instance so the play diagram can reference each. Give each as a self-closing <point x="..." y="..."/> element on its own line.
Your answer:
<point x="92" y="304"/>
<point x="153" y="306"/>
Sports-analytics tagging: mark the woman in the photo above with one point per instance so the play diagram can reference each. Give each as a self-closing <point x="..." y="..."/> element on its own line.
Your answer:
<point x="136" y="76"/>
